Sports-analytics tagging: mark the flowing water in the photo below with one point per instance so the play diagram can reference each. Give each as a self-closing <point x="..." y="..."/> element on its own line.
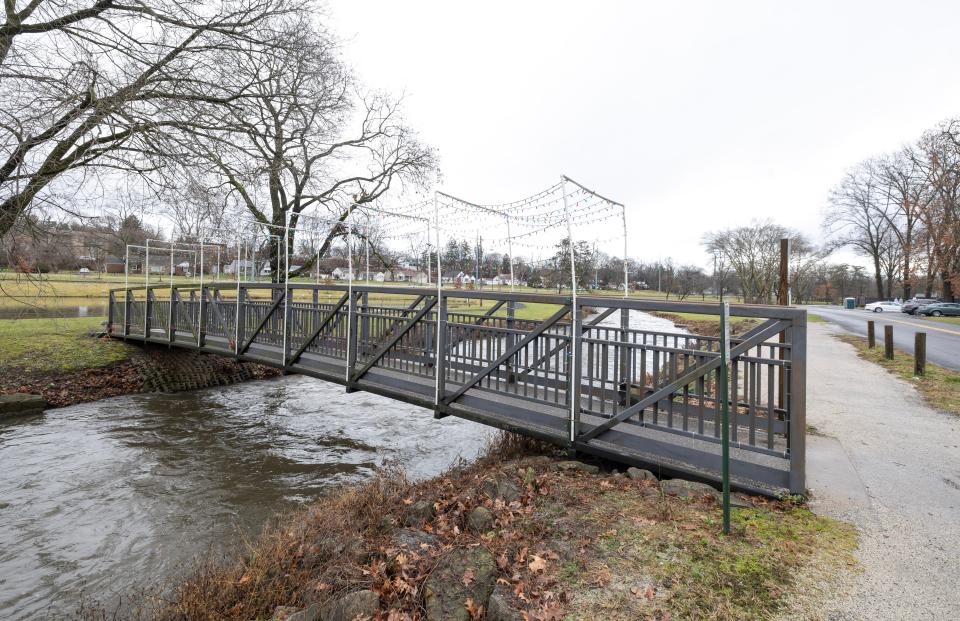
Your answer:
<point x="114" y="496"/>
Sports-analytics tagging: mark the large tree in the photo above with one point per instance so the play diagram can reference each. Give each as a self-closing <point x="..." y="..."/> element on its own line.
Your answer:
<point x="907" y="199"/>
<point x="938" y="156"/>
<point x="305" y="140"/>
<point x="857" y="217"/>
<point x="90" y="85"/>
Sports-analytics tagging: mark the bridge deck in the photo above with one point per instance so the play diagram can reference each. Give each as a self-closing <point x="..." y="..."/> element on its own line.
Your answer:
<point x="645" y="398"/>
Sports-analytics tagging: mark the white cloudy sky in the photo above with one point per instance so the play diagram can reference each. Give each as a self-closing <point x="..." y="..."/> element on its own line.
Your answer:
<point x="697" y="115"/>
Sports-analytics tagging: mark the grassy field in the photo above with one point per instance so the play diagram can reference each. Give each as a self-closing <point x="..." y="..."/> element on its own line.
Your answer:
<point x="939" y="386"/>
<point x="954" y="320"/>
<point x="46" y="345"/>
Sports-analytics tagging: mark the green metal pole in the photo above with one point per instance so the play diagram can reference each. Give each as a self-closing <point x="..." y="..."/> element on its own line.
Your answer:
<point x="725" y="411"/>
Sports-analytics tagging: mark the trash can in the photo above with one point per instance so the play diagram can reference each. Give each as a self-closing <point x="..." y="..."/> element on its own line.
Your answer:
<point x="849" y="302"/>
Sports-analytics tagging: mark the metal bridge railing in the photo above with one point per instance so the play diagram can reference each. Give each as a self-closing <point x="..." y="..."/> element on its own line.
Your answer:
<point x="586" y="377"/>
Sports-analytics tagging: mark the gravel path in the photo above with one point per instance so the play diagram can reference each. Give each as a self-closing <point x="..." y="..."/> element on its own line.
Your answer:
<point x="891" y="465"/>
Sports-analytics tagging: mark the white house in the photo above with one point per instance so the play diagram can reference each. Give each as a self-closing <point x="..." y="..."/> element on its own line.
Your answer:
<point x="342" y="273"/>
<point x="406" y="274"/>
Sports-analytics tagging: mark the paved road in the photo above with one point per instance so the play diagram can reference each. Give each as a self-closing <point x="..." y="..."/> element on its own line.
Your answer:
<point x="943" y="339"/>
<point x="890" y="464"/>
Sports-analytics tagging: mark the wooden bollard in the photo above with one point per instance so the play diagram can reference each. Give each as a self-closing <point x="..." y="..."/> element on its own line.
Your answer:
<point x="920" y="353"/>
<point x="871" y="335"/>
<point x="888" y="342"/>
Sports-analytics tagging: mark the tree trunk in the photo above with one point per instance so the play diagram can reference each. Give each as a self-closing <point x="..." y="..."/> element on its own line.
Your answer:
<point x="878" y="276"/>
<point x="948" y="294"/>
<point x="907" y="276"/>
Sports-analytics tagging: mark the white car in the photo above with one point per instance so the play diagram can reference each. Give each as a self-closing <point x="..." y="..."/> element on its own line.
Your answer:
<point x="879" y="307"/>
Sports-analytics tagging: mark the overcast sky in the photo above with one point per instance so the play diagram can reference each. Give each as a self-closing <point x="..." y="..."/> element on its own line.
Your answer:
<point x="696" y="115"/>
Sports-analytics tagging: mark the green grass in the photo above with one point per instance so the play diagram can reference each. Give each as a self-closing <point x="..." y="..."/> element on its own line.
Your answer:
<point x="49" y="345"/>
<point x="940" y="387"/>
<point x="812" y="318"/>
<point x="679" y="543"/>
<point x="955" y="320"/>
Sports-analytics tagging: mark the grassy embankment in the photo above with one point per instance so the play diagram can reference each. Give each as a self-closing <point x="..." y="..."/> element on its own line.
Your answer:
<point x="572" y="545"/>
<point x="940" y="387"/>
<point x="45" y="345"/>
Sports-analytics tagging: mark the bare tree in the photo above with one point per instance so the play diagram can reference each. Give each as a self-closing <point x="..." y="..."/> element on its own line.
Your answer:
<point x="856" y="216"/>
<point x="90" y="85"/>
<point x="306" y="140"/>
<point x="907" y="199"/>
<point x="753" y="252"/>
<point x="938" y="156"/>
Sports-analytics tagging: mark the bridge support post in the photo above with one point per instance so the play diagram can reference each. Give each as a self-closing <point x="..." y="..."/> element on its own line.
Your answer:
<point x="511" y="340"/>
<point x="623" y="359"/>
<point x="147" y="309"/>
<point x="127" y="303"/>
<point x="241" y="319"/>
<point x="202" y="318"/>
<point x="797" y="400"/>
<point x="351" y="341"/>
<point x="171" y="324"/>
<point x="440" y="364"/>
<point x="575" y="369"/>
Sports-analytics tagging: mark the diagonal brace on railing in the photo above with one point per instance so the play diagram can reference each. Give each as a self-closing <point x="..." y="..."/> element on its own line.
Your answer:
<point x="763" y="332"/>
<point x="536" y="332"/>
<point x="263" y="322"/>
<point x="487" y="315"/>
<point x="380" y="353"/>
<point x="410" y="307"/>
<point x="559" y="346"/>
<point x="323" y="324"/>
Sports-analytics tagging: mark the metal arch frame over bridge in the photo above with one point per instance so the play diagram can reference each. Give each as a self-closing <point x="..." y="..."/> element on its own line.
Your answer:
<point x="636" y="396"/>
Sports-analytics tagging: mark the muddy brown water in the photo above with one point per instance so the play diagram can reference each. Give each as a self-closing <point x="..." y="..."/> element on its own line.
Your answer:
<point x="108" y="498"/>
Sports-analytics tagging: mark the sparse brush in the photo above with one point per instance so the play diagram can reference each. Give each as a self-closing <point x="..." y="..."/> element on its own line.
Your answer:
<point x="505" y="445"/>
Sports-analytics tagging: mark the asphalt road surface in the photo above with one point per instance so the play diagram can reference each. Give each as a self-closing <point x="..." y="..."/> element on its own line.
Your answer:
<point x="943" y="339"/>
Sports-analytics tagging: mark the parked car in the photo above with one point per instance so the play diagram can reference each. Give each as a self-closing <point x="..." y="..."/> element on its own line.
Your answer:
<point x="910" y="306"/>
<point x="883" y="305"/>
<point x="940" y="309"/>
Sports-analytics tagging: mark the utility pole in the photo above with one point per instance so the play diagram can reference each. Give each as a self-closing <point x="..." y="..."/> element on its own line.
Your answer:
<point x="783" y="295"/>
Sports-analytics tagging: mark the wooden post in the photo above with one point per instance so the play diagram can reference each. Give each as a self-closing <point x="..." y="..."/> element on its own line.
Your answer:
<point x="871" y="334"/>
<point x="920" y="354"/>
<point x="888" y="342"/>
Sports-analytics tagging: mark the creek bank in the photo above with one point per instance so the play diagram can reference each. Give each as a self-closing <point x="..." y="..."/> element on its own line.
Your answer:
<point x="143" y="369"/>
<point x="533" y="537"/>
<point x="706" y="327"/>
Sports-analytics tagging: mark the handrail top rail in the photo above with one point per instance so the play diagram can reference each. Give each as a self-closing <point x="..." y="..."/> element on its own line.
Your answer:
<point x="704" y="308"/>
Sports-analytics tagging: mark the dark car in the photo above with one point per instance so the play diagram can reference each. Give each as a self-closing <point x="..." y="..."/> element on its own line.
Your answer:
<point x="940" y="309"/>
<point x="910" y="306"/>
